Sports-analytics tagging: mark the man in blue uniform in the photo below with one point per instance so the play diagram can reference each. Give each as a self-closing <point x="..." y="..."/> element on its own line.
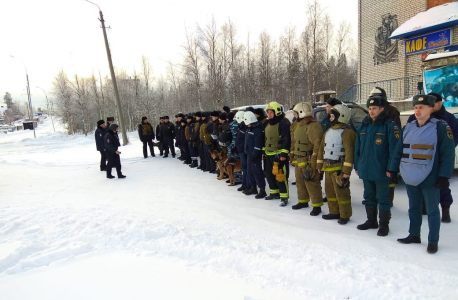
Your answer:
<point x="376" y="140"/>
<point x="440" y="113"/>
<point x="111" y="145"/>
<point x="427" y="159"/>
<point x="100" y="144"/>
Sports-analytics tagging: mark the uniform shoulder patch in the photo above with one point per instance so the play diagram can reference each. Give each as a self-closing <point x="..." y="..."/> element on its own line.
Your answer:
<point x="450" y="134"/>
<point x="396" y="134"/>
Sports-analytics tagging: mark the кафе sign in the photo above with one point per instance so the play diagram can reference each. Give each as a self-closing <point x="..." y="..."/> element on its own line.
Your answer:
<point x="438" y="39"/>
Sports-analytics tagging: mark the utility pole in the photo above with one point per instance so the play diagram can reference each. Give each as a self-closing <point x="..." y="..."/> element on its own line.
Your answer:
<point x="125" y="141"/>
<point x="47" y="105"/>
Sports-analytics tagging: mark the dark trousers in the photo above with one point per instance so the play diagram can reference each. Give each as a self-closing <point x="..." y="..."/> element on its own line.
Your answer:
<point x="151" y="148"/>
<point x="209" y="162"/>
<point x="377" y="192"/>
<point x="255" y="168"/>
<point x="430" y="195"/>
<point x="200" y="149"/>
<point x="274" y="185"/>
<point x="103" y="160"/>
<point x="446" y="198"/>
<point x="192" y="151"/>
<point x="114" y="161"/>
<point x="161" y="148"/>
<point x="243" y="160"/>
<point x="168" y="144"/>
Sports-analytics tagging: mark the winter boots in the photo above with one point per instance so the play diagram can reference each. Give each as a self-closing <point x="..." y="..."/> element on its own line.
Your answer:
<point x="371" y="222"/>
<point x="315" y="211"/>
<point x="331" y="216"/>
<point x="272" y="197"/>
<point x="261" y="194"/>
<point x="446" y="214"/>
<point x="432" y="248"/>
<point x="242" y="188"/>
<point x="194" y="164"/>
<point x="283" y="202"/>
<point x="385" y="216"/>
<point x="300" y="205"/>
<point x="343" y="221"/>
<point x="252" y="191"/>
<point x="410" y="240"/>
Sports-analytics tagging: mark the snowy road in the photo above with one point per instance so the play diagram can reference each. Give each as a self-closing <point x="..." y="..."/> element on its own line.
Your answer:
<point x="171" y="232"/>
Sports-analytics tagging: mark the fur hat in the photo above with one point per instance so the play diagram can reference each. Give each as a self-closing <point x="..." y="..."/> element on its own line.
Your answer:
<point x="100" y="122"/>
<point x="438" y="97"/>
<point x="198" y="114"/>
<point x="144" y="118"/>
<point x="110" y="119"/>
<point x="259" y="112"/>
<point x="230" y="116"/>
<point x="189" y="117"/>
<point x="376" y="101"/>
<point x="166" y="117"/>
<point x="250" y="108"/>
<point x="333" y="101"/>
<point x="180" y="115"/>
<point x="214" y="113"/>
<point x="424" y="99"/>
<point x="226" y="108"/>
<point x="222" y="116"/>
<point x="113" y="127"/>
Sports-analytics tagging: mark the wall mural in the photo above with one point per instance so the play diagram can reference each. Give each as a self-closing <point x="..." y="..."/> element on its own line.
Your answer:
<point x="386" y="50"/>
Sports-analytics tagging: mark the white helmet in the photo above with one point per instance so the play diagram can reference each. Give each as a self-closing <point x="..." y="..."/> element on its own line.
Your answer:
<point x="239" y="116"/>
<point x="303" y="109"/>
<point x="344" y="113"/>
<point x="249" y="118"/>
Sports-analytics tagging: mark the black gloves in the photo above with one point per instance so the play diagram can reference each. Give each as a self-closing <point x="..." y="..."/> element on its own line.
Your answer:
<point x="345" y="183"/>
<point x="394" y="177"/>
<point x="442" y="183"/>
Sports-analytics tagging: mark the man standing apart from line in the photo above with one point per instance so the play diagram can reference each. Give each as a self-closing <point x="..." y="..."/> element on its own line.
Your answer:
<point x="146" y="135"/>
<point x="376" y="140"/>
<point x="99" y="134"/>
<point x="111" y="145"/>
<point x="427" y="157"/>
<point x="276" y="152"/>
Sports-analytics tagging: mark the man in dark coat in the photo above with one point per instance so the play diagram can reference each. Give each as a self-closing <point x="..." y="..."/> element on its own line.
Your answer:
<point x="440" y="113"/>
<point x="146" y="135"/>
<point x="99" y="134"/>
<point x="178" y="134"/>
<point x="159" y="137"/>
<point x="111" y="145"/>
<point x="167" y="136"/>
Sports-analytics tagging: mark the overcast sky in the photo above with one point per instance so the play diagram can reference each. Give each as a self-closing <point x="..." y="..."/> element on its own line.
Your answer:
<point x="49" y="35"/>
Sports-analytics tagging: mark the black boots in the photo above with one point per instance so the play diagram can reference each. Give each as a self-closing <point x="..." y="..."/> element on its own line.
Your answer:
<point x="315" y="211"/>
<point x="104" y="168"/>
<point x="410" y="240"/>
<point x="331" y="216"/>
<point x="371" y="222"/>
<point x="432" y="248"/>
<point x="242" y="188"/>
<point x="446" y="214"/>
<point x="272" y="197"/>
<point x="283" y="202"/>
<point x="343" y="221"/>
<point x="300" y="205"/>
<point x="252" y="191"/>
<point x="194" y="164"/>
<point x="261" y="194"/>
<point x="385" y="216"/>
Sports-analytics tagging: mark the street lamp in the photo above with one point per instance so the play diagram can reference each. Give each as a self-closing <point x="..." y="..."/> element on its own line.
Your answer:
<point x="113" y="79"/>
<point x="28" y="95"/>
<point x="47" y="105"/>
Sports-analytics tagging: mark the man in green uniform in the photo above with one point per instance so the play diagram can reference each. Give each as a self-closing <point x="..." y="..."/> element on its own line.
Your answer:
<point x="335" y="158"/>
<point x="305" y="143"/>
<point x="376" y="139"/>
<point x="278" y="143"/>
<point x="427" y="157"/>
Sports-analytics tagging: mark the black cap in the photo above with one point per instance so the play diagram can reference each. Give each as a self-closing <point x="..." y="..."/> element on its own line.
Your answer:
<point x="222" y="116"/>
<point x="189" y="117"/>
<point x="144" y="118"/>
<point x="100" y="122"/>
<point x="198" y="114"/>
<point x="259" y="112"/>
<point x="110" y="119"/>
<point x="180" y="115"/>
<point x="250" y="108"/>
<point x="113" y="127"/>
<point x="438" y="97"/>
<point x="333" y="101"/>
<point x="226" y="108"/>
<point x="230" y="116"/>
<point x="215" y="113"/>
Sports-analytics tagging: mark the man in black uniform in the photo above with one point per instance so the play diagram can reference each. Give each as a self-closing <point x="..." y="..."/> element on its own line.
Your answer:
<point x="146" y="135"/>
<point x="178" y="135"/>
<point x="99" y="134"/>
<point x="111" y="145"/>
<point x="167" y="135"/>
<point x="159" y="137"/>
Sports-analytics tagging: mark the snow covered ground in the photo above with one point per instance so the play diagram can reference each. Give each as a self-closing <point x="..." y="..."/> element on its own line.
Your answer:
<point x="171" y="232"/>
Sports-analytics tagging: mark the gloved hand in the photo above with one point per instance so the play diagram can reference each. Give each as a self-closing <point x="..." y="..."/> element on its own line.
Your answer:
<point x="321" y="176"/>
<point x="442" y="183"/>
<point x="394" y="177"/>
<point x="345" y="183"/>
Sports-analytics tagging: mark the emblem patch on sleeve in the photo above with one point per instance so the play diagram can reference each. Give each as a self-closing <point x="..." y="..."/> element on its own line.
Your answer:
<point x="378" y="141"/>
<point x="450" y="135"/>
<point x="396" y="134"/>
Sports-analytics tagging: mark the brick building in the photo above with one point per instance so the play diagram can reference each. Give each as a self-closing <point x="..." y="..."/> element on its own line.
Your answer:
<point x="383" y="59"/>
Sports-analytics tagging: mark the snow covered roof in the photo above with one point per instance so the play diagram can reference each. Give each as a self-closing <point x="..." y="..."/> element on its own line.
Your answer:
<point x="436" y="18"/>
<point x="323" y="93"/>
<point x="441" y="55"/>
